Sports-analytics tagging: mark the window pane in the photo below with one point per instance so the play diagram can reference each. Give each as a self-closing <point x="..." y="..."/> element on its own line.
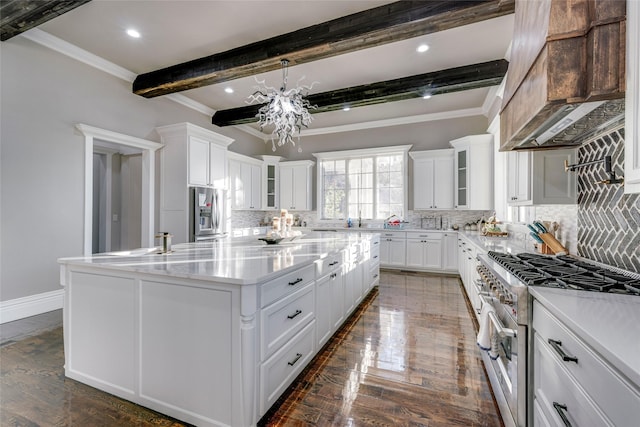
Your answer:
<point x="371" y="187"/>
<point x="396" y="179"/>
<point x="397" y="195"/>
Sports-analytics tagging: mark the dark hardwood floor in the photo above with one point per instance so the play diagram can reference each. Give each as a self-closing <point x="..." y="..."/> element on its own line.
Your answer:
<point x="407" y="357"/>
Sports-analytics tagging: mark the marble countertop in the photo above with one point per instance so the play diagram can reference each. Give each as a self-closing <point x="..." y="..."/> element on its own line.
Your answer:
<point x="230" y="260"/>
<point x="499" y="244"/>
<point x="609" y="323"/>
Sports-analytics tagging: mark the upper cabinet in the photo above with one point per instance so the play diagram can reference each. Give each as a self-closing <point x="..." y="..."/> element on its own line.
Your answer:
<point x="245" y="182"/>
<point x="193" y="156"/>
<point x="632" y="110"/>
<point x="539" y="178"/>
<point x="473" y="172"/>
<point x="433" y="179"/>
<point x="270" y="182"/>
<point x="295" y="185"/>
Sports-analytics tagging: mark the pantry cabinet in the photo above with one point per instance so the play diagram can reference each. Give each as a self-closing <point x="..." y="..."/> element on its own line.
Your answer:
<point x="473" y="172"/>
<point x="245" y="176"/>
<point x="295" y="185"/>
<point x="433" y="179"/>
<point x="539" y="178"/>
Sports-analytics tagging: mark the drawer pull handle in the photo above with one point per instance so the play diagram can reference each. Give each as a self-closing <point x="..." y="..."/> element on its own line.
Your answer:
<point x="375" y="256"/>
<point x="295" y="282"/>
<point x="291" y="316"/>
<point x="333" y="275"/>
<point x="375" y="243"/>
<point x="557" y="347"/>
<point x="375" y="276"/>
<point x="294" y="361"/>
<point x="334" y="263"/>
<point x="561" y="409"/>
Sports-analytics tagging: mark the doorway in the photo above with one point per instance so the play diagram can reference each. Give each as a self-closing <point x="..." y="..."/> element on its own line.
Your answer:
<point x="117" y="198"/>
<point x="119" y="189"/>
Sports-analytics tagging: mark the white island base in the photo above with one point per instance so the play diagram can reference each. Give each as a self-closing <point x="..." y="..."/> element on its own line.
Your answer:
<point x="211" y="334"/>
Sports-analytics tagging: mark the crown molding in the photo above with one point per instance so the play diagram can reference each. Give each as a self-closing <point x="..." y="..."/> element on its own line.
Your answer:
<point x="65" y="48"/>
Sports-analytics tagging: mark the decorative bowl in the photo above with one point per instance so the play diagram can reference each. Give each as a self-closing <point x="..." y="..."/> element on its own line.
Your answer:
<point x="271" y="240"/>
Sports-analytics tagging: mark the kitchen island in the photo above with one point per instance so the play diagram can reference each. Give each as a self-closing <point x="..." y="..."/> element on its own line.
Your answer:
<point x="212" y="333"/>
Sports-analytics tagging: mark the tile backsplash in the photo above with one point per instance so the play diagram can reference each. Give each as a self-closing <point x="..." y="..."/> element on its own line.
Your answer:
<point x="608" y="219"/>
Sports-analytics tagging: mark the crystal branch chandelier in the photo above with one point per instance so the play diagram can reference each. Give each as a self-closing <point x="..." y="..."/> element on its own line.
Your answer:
<point x="286" y="110"/>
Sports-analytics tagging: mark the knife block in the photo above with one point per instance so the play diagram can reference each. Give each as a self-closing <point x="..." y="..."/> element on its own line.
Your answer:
<point x="551" y="245"/>
<point x="543" y="248"/>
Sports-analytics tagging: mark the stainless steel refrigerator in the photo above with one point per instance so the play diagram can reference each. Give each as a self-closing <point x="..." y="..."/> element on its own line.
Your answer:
<point x="207" y="216"/>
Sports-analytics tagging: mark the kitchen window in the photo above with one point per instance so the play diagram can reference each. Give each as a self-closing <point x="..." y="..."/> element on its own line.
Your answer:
<point x="368" y="184"/>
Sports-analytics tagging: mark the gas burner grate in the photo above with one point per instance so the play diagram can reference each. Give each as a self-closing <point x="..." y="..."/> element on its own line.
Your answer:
<point x="567" y="272"/>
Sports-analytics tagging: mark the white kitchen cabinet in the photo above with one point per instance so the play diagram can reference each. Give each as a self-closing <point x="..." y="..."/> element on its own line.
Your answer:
<point x="450" y="251"/>
<point x="518" y="176"/>
<point x="572" y="379"/>
<point x="467" y="263"/>
<point x="539" y="178"/>
<point x="295" y="185"/>
<point x="329" y="282"/>
<point x="207" y="163"/>
<point x="424" y="251"/>
<point x="473" y="177"/>
<point x="433" y="179"/>
<point x="191" y="156"/>
<point x="270" y="182"/>
<point x="393" y="251"/>
<point x="245" y="176"/>
<point x="632" y="100"/>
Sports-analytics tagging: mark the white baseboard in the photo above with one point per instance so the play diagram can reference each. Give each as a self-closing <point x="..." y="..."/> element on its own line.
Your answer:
<point x="20" y="308"/>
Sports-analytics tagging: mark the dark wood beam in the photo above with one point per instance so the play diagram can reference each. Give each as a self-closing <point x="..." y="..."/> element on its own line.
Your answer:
<point x="18" y="16"/>
<point x="384" y="24"/>
<point x="435" y="83"/>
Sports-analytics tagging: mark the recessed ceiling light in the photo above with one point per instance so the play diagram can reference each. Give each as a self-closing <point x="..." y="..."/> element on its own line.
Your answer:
<point x="346" y="109"/>
<point x="422" y="48"/>
<point x="133" y="33"/>
<point x="426" y="96"/>
<point x="228" y="89"/>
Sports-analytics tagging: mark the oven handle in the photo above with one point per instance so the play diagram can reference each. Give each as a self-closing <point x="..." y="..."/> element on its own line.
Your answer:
<point x="500" y="329"/>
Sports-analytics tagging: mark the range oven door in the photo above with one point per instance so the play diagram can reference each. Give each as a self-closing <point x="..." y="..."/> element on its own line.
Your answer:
<point x="503" y="371"/>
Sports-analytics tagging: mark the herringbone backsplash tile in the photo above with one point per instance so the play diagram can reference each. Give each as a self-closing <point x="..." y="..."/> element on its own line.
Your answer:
<point x="608" y="219"/>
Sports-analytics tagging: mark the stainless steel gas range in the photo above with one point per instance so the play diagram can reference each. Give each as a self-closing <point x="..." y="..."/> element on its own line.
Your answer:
<point x="504" y="281"/>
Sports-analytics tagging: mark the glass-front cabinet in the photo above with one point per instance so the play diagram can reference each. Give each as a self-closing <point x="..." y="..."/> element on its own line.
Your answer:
<point x="270" y="182"/>
<point x="461" y="181"/>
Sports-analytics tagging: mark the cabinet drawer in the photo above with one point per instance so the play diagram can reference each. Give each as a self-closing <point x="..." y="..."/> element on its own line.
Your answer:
<point x="425" y="235"/>
<point x="553" y="384"/>
<point x="290" y="282"/>
<point x="375" y="240"/>
<point x="282" y="368"/>
<point x="327" y="265"/>
<point x="374" y="275"/>
<point x="283" y="319"/>
<point x="619" y="400"/>
<point x="393" y="235"/>
<point x="375" y="255"/>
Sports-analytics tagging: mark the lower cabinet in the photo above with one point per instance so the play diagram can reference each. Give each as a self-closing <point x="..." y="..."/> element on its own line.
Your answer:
<point x="450" y="251"/>
<point x="467" y="263"/>
<point x="574" y="385"/>
<point x="425" y="251"/>
<point x="392" y="249"/>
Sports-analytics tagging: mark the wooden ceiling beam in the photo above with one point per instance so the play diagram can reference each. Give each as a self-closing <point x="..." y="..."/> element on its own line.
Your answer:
<point x="384" y="24"/>
<point x="435" y="83"/>
<point x="18" y="16"/>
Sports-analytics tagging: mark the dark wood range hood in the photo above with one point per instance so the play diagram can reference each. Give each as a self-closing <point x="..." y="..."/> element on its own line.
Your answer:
<point x="567" y="72"/>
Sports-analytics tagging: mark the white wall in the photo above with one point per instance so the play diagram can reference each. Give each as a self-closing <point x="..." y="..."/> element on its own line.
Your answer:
<point x="43" y="94"/>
